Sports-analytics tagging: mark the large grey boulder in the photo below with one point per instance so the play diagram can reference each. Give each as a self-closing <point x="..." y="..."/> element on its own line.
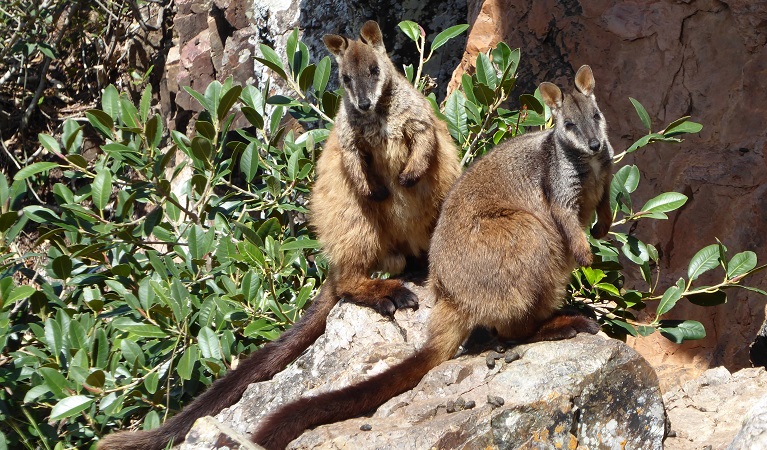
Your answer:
<point x="587" y="392"/>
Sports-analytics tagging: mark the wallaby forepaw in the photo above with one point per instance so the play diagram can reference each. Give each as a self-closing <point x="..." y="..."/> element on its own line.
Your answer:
<point x="384" y="307"/>
<point x="398" y="298"/>
<point x="584" y="257"/>
<point x="408" y="180"/>
<point x="599" y="230"/>
<point x="403" y="297"/>
<point x="590" y="326"/>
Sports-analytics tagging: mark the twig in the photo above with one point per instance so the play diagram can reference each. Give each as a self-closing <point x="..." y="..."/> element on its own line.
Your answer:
<point x="46" y="63"/>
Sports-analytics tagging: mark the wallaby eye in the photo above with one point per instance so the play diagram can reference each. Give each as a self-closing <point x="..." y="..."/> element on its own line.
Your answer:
<point x="597" y="116"/>
<point x="569" y="125"/>
<point x="347" y="79"/>
<point x="374" y="70"/>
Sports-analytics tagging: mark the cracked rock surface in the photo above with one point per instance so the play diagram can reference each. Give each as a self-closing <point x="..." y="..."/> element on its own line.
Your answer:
<point x="586" y="392"/>
<point x="719" y="408"/>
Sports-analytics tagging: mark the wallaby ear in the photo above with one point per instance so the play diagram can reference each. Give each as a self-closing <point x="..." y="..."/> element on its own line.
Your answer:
<point x="551" y="94"/>
<point x="336" y="44"/>
<point x="371" y="35"/>
<point x="584" y="81"/>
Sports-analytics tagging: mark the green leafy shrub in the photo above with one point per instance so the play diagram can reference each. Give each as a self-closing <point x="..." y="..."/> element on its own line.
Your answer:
<point x="168" y="256"/>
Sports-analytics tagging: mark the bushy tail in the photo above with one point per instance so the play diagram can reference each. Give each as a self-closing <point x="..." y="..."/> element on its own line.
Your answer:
<point x="258" y="366"/>
<point x="289" y="421"/>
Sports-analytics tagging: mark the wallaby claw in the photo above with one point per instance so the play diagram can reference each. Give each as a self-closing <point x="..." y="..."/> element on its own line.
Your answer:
<point x="403" y="297"/>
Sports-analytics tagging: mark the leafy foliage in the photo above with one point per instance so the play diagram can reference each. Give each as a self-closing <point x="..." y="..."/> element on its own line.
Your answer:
<point x="148" y="282"/>
<point x="160" y="262"/>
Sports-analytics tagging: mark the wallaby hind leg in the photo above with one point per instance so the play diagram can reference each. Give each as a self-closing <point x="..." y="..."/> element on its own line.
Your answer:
<point x="384" y="296"/>
<point x="565" y="325"/>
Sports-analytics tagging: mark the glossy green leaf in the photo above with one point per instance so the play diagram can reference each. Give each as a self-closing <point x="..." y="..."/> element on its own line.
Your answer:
<point x="679" y="331"/>
<point x="129" y="114"/>
<point x="455" y="111"/>
<point x="70" y="406"/>
<point x="532" y="103"/>
<point x="322" y="75"/>
<point x="708" y="298"/>
<point x="682" y="125"/>
<point x="641" y="142"/>
<point x="291" y="46"/>
<point x="668" y="201"/>
<point x="300" y="244"/>
<point x="153" y="131"/>
<point x="642" y="113"/>
<point x="139" y="329"/>
<point x="34" y="169"/>
<point x="19" y="293"/>
<point x="110" y="102"/>
<point x="151" y="381"/>
<point x="447" y="34"/>
<point x="306" y="78"/>
<point x="249" y="162"/>
<point x="62" y="267"/>
<point x="209" y="344"/>
<point x="670" y="297"/>
<point x="486" y="72"/>
<point x="706" y="259"/>
<point x="101" y="189"/>
<point x="411" y="29"/>
<point x="200" y="98"/>
<point x="145" y="103"/>
<point x="741" y="263"/>
<point x="187" y="361"/>
<point x="55" y="381"/>
<point x="635" y="250"/>
<point x="49" y="143"/>
<point x="269" y="228"/>
<point x="627" y="327"/>
<point x="101" y="121"/>
<point x="227" y="101"/>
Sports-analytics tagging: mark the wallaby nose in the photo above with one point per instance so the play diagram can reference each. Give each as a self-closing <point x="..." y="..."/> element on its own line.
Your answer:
<point x="364" y="104"/>
<point x="594" y="145"/>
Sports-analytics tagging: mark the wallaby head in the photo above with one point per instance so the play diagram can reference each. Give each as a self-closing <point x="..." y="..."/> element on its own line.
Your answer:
<point x="579" y="124"/>
<point x="364" y="67"/>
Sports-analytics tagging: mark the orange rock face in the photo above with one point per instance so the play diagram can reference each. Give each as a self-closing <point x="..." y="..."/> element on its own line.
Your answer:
<point x="705" y="59"/>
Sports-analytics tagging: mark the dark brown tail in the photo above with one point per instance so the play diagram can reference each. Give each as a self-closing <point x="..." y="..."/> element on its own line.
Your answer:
<point x="259" y="366"/>
<point x="289" y="421"/>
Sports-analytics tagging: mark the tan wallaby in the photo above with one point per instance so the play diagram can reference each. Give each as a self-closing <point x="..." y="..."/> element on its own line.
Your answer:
<point x="508" y="237"/>
<point x="382" y="176"/>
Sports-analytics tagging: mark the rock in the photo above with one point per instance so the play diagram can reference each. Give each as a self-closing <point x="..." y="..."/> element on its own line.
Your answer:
<point x="589" y="391"/>
<point x="706" y="59"/>
<point x="753" y="435"/>
<point x="758" y="349"/>
<point x="709" y="410"/>
<point x="210" y="434"/>
<point x="220" y="38"/>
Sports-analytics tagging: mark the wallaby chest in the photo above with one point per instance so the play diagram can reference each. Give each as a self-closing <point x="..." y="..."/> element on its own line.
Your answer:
<point x="384" y="144"/>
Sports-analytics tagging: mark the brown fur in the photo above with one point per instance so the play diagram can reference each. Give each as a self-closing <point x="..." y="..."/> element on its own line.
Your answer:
<point x="508" y="237"/>
<point x="382" y="175"/>
<point x="381" y="180"/>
